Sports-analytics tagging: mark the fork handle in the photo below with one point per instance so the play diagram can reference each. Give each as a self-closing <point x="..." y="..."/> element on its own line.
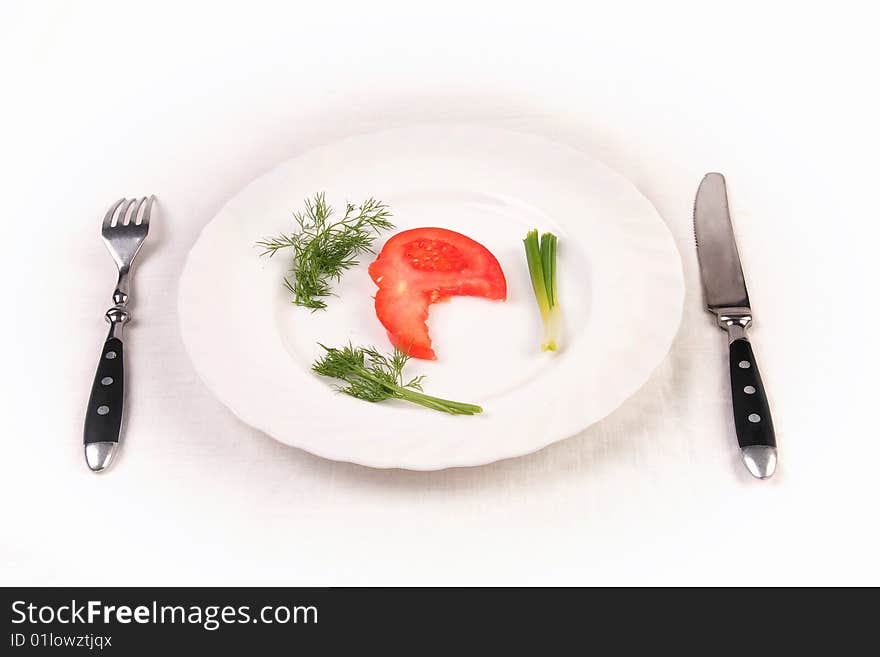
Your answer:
<point x="103" y="421"/>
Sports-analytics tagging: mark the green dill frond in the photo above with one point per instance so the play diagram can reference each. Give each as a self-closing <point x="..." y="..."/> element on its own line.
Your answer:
<point x="375" y="377"/>
<point x="323" y="249"/>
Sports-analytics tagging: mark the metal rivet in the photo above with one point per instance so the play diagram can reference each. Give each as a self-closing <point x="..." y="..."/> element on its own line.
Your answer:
<point x="744" y="364"/>
<point x="749" y="390"/>
<point x="103" y="410"/>
<point x="107" y="380"/>
<point x="754" y="417"/>
<point x="110" y="355"/>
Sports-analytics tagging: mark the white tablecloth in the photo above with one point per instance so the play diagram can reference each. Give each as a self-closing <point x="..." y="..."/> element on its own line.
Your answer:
<point x="191" y="103"/>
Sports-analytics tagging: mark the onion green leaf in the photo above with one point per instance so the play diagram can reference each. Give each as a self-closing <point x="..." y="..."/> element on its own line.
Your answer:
<point x="541" y="259"/>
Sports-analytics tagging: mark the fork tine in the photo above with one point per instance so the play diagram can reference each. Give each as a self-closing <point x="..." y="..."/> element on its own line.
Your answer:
<point x="145" y="220"/>
<point x="135" y="215"/>
<point x="109" y="216"/>
<point x="123" y="219"/>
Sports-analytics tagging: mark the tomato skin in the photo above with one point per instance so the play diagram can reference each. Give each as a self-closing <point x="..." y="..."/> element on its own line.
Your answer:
<point x="422" y="266"/>
<point x="466" y="269"/>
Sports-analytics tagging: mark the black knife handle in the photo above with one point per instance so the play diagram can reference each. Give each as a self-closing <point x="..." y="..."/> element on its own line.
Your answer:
<point x="104" y="415"/>
<point x="751" y="412"/>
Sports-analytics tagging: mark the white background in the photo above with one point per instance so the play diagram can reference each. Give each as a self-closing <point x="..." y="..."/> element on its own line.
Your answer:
<point x="191" y="102"/>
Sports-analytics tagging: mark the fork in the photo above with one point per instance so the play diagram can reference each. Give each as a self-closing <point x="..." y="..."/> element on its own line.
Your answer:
<point x="124" y="229"/>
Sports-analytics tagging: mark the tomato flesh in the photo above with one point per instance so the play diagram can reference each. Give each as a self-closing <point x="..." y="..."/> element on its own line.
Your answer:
<point x="422" y="266"/>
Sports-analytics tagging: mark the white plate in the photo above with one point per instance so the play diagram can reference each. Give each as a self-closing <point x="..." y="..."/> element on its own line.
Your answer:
<point x="620" y="285"/>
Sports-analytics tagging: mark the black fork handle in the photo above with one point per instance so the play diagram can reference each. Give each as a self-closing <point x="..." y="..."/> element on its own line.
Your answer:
<point x="104" y="415"/>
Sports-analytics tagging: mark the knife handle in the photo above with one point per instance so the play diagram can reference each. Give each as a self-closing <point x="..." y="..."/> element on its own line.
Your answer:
<point x="104" y="415"/>
<point x="751" y="412"/>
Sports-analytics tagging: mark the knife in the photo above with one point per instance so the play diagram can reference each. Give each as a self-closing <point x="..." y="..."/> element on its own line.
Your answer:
<point x="727" y="298"/>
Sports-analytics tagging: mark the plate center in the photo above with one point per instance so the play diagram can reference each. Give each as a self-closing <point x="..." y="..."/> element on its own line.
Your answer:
<point x="484" y="348"/>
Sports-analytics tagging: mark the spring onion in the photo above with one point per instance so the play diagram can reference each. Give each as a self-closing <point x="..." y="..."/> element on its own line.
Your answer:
<point x="541" y="258"/>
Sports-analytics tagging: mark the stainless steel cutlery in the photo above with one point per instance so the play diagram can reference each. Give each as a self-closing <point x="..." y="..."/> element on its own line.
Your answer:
<point x="124" y="229"/>
<point x="727" y="298"/>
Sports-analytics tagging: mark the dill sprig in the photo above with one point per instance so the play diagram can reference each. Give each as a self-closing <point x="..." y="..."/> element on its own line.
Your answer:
<point x="324" y="249"/>
<point x="374" y="377"/>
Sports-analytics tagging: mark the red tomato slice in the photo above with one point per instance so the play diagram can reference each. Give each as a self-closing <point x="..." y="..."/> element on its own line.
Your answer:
<point x="422" y="266"/>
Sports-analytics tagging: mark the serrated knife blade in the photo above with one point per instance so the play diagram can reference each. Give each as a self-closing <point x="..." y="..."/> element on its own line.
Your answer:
<point x="726" y="296"/>
<point x="720" y="268"/>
